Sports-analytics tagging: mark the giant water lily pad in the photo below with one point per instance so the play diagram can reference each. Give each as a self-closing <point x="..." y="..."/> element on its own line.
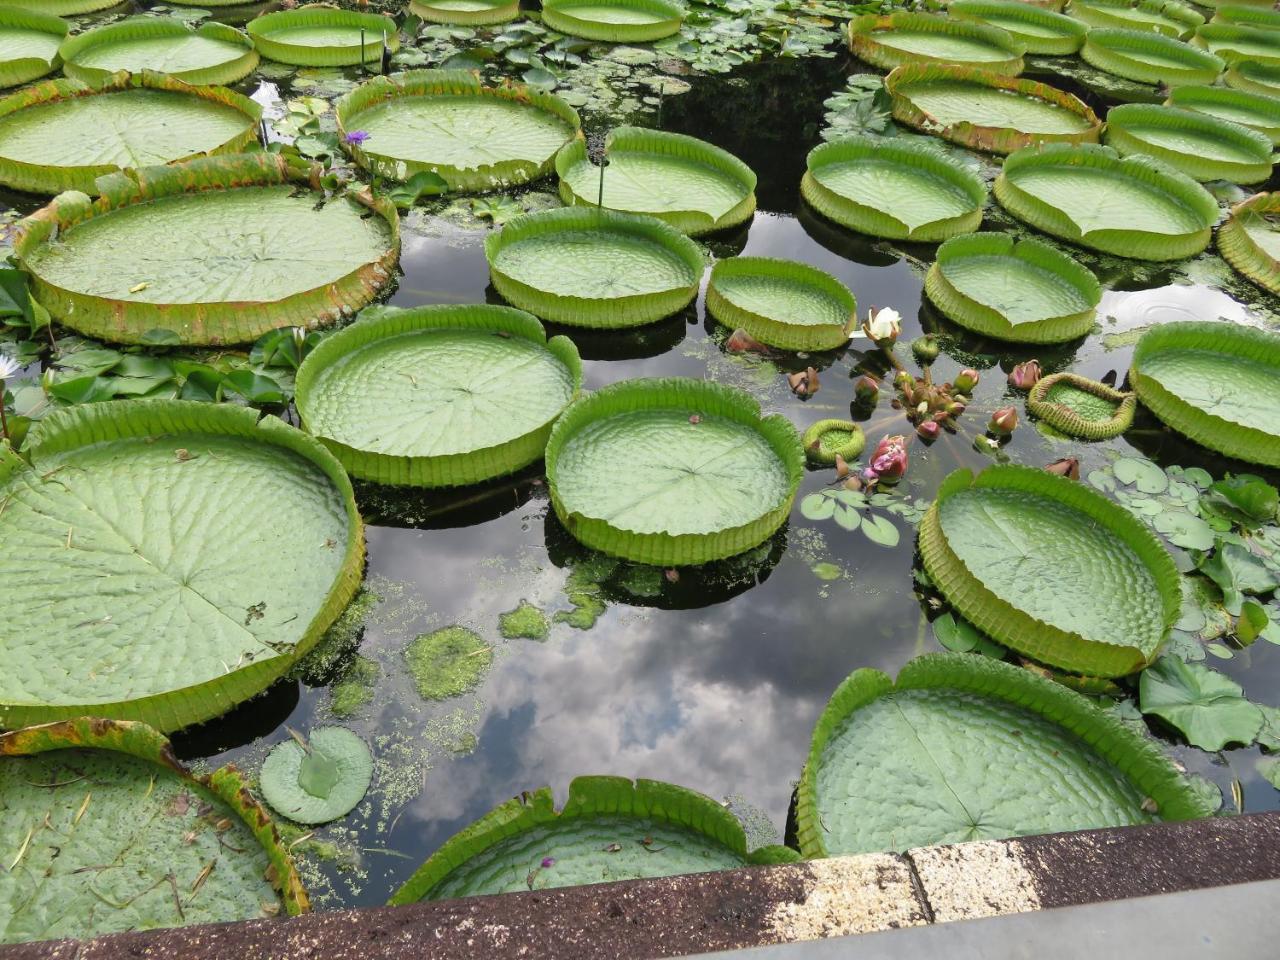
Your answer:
<point x="1149" y="58"/>
<point x="1039" y="30"/>
<point x="318" y="779"/>
<point x="446" y="122"/>
<point x="64" y="134"/>
<point x="594" y="268"/>
<point x="902" y="191"/>
<point x="891" y="765"/>
<point x="209" y="54"/>
<point x="438" y="396"/>
<point x="246" y="248"/>
<point x="706" y="476"/>
<point x="60" y="8"/>
<point x="1249" y="240"/>
<point x="104" y="831"/>
<point x="1080" y="407"/>
<point x="1235" y="43"/>
<point x="1048" y="567"/>
<point x="1201" y="146"/>
<point x="609" y="829"/>
<point x="135" y="544"/>
<point x="318" y="35"/>
<point x="987" y="111"/>
<point x="1023" y="291"/>
<point x="691" y="184"/>
<point x="1131" y="207"/>
<point x="614" y="21"/>
<point x="471" y="13"/>
<point x="1165" y="17"/>
<point x="1254" y="110"/>
<point x="782" y="303"/>
<point x="1254" y="77"/>
<point x="1261" y="15"/>
<point x="1217" y="383"/>
<point x="900" y="38"/>
<point x="29" y="44"/>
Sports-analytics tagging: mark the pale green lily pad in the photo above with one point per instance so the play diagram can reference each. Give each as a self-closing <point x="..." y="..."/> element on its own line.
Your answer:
<point x="317" y="780"/>
<point x="1207" y="708"/>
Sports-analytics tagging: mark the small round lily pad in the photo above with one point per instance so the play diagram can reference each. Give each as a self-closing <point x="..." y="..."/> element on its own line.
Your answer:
<point x="828" y="439"/>
<point x="614" y="21"/>
<point x="1082" y="407"/>
<point x="212" y="53"/>
<point x="471" y="13"/>
<point x="318" y="35"/>
<point x="319" y="779"/>
<point x="448" y="662"/>
<point x="782" y="303"/>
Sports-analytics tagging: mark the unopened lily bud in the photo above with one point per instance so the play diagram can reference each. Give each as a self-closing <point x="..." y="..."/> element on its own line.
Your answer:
<point x="1003" y="421"/>
<point x="1068" y="467"/>
<point x="866" y="390"/>
<point x="928" y="430"/>
<point x="1025" y="375"/>
<point x="966" y="380"/>
<point x="925" y="349"/>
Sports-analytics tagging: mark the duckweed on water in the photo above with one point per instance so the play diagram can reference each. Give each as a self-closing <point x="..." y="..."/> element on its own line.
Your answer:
<point x="525" y="621"/>
<point x="448" y="662"/>
<point x="354" y="690"/>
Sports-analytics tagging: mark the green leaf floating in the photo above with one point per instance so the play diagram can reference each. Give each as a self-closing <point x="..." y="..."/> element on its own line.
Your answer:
<point x="672" y="472"/>
<point x="1022" y="291"/>
<point x="1040" y="31"/>
<point x="1051" y="569"/>
<point x="245" y="251"/>
<point x="828" y="439"/>
<point x="692" y="185"/>
<point x="891" y="765"/>
<point x="136" y="542"/>
<point x="104" y="831"/>
<point x="1194" y="143"/>
<point x="1234" y="43"/>
<point x="987" y="111"/>
<point x="1217" y="383"/>
<point x="317" y="35"/>
<point x="1082" y="407"/>
<point x="29" y="44"/>
<point x="782" y="303"/>
<point x="1254" y="77"/>
<point x="448" y="122"/>
<point x="891" y="41"/>
<point x="1254" y="110"/>
<point x="437" y="396"/>
<point x="471" y="13"/>
<point x="588" y="267"/>
<point x="900" y="191"/>
<point x="317" y="780"/>
<point x="212" y="53"/>
<point x="60" y="8"/>
<point x="1250" y="241"/>
<point x="1204" y="706"/>
<point x="1263" y="16"/>
<point x="1165" y="17"/>
<point x="614" y="21"/>
<point x="609" y="829"/>
<point x="1149" y="58"/>
<point x="64" y="134"/>
<point x="1128" y="207"/>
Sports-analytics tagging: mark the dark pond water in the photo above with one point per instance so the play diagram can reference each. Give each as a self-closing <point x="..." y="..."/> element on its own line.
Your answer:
<point x="713" y="681"/>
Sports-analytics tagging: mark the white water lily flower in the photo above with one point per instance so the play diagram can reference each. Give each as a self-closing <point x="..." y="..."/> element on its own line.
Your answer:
<point x="883" y="324"/>
<point x="8" y="366"/>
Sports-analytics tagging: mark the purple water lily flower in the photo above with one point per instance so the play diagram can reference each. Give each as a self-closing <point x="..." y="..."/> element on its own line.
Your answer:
<point x="548" y="862"/>
<point x="357" y="137"/>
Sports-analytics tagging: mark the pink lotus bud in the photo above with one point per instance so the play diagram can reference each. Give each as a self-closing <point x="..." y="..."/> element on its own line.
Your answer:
<point x="1025" y="375"/>
<point x="1003" y="421"/>
<point x="866" y="390"/>
<point x="966" y="380"/>
<point x="955" y="408"/>
<point x="928" y="430"/>
<point x="1068" y="467"/>
<point x="889" y="462"/>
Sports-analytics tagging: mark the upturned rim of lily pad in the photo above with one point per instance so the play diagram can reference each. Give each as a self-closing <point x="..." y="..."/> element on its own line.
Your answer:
<point x="150" y="28"/>
<point x="561" y="15"/>
<point x="1244" y="253"/>
<point x="61" y="8"/>
<point x="1067" y="33"/>
<point x="820" y="453"/>
<point x="1182" y="19"/>
<point x="376" y="27"/>
<point x="1218" y="37"/>
<point x="863" y="44"/>
<point x="777" y="331"/>
<point x="490" y="12"/>
<point x="1126" y="122"/>
<point x="1266" y="108"/>
<point x="1254" y="77"/>
<point x="1111" y="51"/>
<point x="17" y="71"/>
<point x="1062" y="417"/>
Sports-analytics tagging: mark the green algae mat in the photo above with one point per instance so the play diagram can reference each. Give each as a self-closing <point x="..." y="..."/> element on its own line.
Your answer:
<point x="210" y="53"/>
<point x="156" y="518"/>
<point x="900" y="38"/>
<point x="317" y="35"/>
<point x="782" y="303"/>
<point x="1217" y="383"/>
<point x="242" y="231"/>
<point x="438" y="396"/>
<point x="29" y="44"/>
<point x="609" y="829"/>
<point x="891" y="764"/>
<point x="104" y="831"/>
<point x="1201" y="146"/>
<point x="1051" y="569"/>
<point x="64" y="134"/>
<point x="614" y="21"/>
<point x="447" y="122"/>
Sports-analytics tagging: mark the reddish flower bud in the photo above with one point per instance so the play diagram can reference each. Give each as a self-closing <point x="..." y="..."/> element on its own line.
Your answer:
<point x="1003" y="421"/>
<point x="966" y="380"/>
<point x="1025" y="375"/>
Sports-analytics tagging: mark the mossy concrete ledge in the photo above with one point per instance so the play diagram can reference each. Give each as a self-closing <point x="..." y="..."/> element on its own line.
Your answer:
<point x="750" y="907"/>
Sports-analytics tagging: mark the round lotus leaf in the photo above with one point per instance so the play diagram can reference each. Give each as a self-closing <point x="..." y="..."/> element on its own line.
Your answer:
<point x="136" y="539"/>
<point x="438" y="396"/>
<point x="471" y="13"/>
<point x="1217" y="383"/>
<point x="782" y="303"/>
<point x="609" y="829"/>
<point x="1256" y="111"/>
<point x="692" y="185"/>
<point x="245" y="251"/>
<point x="317" y="780"/>
<point x="1201" y="146"/>
<point x="706" y="476"/>
<point x="828" y="439"/>
<point x="901" y="191"/>
<point x="447" y="122"/>
<point x="63" y="134"/>
<point x="1051" y="569"/>
<point x="594" y="268"/>
<point x="1165" y="17"/>
<point x="1250" y="242"/>
<point x="1081" y="407"/>
<point x="614" y="21"/>
<point x="987" y="111"/>
<point x="212" y="53"/>
<point x="1254" y="77"/>
<point x="29" y="44"/>
<point x="1039" y="30"/>
<point x="891" y="765"/>
<point x="1149" y="58"/>
<point x="104" y="831"/>
<point x="1024" y="290"/>
<point x="319" y="35"/>
<point x="891" y="41"/>
<point x="1087" y="194"/>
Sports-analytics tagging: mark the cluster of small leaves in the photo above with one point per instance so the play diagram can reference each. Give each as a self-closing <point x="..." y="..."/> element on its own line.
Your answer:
<point x="861" y="108"/>
<point x="856" y="510"/>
